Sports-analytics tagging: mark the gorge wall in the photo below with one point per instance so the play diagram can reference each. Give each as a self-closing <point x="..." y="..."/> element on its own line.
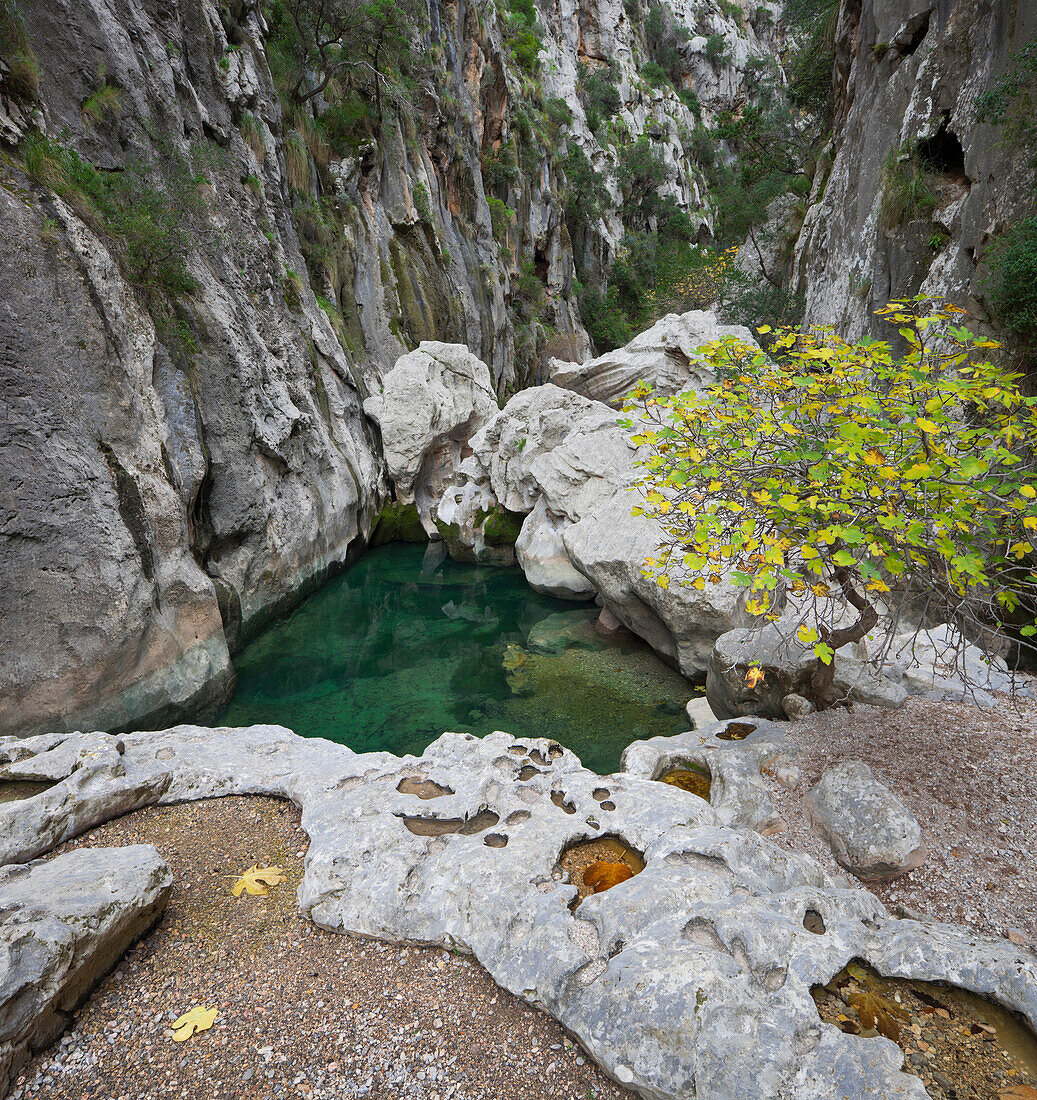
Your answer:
<point x="199" y="288"/>
<point x="915" y="187"/>
<point x="197" y="296"/>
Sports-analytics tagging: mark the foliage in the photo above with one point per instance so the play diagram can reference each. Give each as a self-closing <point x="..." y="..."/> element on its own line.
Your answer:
<point x="586" y="196"/>
<point x="716" y="49"/>
<point x="524" y="35"/>
<point x="361" y="43"/>
<point x="600" y="95"/>
<point x="811" y="26"/>
<point x="833" y="471"/>
<point x="256" y="880"/>
<point x="907" y="192"/>
<point x="190" y="1023"/>
<point x="604" y="319"/>
<point x="665" y="37"/>
<point x="103" y="101"/>
<point x="1011" y="101"/>
<point x="144" y="222"/>
<point x="22" y="78"/>
<point x="501" y="218"/>
<point x="639" y="170"/>
<point x="1013" y="277"/>
<point x="776" y="154"/>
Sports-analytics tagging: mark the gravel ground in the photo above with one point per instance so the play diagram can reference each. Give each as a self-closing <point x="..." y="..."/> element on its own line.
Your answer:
<point x="969" y="775"/>
<point x="304" y="1013"/>
<point x="308" y="1014"/>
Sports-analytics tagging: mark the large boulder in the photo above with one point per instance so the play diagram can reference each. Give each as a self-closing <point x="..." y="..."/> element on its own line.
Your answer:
<point x="66" y="921"/>
<point x="90" y="785"/>
<point x="609" y="547"/>
<point x="432" y="401"/>
<point x="788" y="667"/>
<point x="530" y="425"/>
<point x="541" y="553"/>
<point x="871" y="832"/>
<point x="664" y="356"/>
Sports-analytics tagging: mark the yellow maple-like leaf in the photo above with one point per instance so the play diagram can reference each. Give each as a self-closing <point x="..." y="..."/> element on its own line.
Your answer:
<point x="754" y="676"/>
<point x="197" y="1019"/>
<point x="604" y="874"/>
<point x="256" y="880"/>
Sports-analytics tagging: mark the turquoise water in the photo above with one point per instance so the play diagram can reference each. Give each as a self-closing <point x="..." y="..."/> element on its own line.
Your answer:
<point x="404" y="645"/>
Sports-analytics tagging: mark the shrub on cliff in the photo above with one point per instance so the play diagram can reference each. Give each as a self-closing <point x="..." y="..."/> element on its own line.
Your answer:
<point x="836" y="472"/>
<point x="22" y="76"/>
<point x="1013" y="270"/>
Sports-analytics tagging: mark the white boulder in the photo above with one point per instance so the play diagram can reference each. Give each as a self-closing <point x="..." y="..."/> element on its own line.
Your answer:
<point x="432" y="402"/>
<point x="666" y="356"/>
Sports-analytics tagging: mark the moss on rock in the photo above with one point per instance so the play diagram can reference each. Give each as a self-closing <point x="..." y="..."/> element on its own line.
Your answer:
<point x="398" y="523"/>
<point x="501" y="527"/>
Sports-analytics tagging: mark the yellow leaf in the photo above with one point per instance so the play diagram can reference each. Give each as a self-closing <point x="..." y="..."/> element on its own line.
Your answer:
<point x="926" y="425"/>
<point x="603" y="875"/>
<point x="256" y="880"/>
<point x="874" y="457"/>
<point x="754" y="676"/>
<point x="1027" y="491"/>
<point x="197" y="1019"/>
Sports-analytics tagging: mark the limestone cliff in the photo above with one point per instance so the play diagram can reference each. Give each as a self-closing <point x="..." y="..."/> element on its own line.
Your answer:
<point x="183" y="449"/>
<point x="918" y="187"/>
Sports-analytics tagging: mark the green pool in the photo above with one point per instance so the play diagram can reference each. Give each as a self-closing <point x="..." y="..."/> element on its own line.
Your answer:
<point x="405" y="644"/>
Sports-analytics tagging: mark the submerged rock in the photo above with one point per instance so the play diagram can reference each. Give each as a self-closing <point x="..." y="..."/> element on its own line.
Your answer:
<point x="870" y="831"/>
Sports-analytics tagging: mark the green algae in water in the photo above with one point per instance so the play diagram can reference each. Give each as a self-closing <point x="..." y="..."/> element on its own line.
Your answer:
<point x="403" y="646"/>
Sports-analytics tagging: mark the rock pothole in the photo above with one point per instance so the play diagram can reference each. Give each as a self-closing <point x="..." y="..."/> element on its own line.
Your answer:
<point x="736" y="731"/>
<point x="14" y="790"/>
<point x="962" y="1046"/>
<point x="441" y="826"/>
<point x="610" y="859"/>
<point x="423" y="788"/>
<point x="687" y="776"/>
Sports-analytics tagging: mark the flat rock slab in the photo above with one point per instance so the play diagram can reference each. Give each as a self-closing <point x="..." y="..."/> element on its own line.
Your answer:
<point x="690" y="978"/>
<point x="63" y="924"/>
<point x="870" y="831"/>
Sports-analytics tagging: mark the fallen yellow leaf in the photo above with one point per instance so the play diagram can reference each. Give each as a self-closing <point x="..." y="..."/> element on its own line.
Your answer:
<point x="256" y="880"/>
<point x="197" y="1019"/>
<point x="754" y="676"/>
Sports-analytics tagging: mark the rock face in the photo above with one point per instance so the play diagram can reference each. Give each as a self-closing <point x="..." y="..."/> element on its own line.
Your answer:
<point x="664" y="356"/>
<point x="431" y="402"/>
<point x="712" y="930"/>
<point x="907" y="80"/>
<point x="788" y="668"/>
<point x="210" y="468"/>
<point x="870" y="831"/>
<point x="66" y="922"/>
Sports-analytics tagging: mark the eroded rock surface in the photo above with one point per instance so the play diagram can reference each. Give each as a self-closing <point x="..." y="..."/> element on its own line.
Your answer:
<point x="66" y="921"/>
<point x="710" y="932"/>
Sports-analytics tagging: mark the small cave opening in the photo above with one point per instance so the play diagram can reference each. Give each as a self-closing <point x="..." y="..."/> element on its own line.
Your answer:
<point x="942" y="153"/>
<point x="594" y="866"/>
<point x="912" y="35"/>
<point x="540" y="264"/>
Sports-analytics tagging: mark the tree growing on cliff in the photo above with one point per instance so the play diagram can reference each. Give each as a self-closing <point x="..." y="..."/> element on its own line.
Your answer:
<point x="360" y="41"/>
<point x="852" y="479"/>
